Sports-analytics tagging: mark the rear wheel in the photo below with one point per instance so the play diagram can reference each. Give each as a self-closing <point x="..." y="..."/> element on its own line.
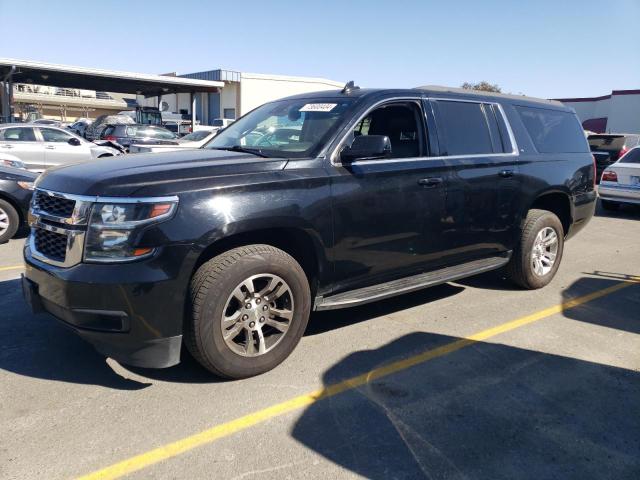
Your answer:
<point x="9" y="221"/>
<point x="250" y="307"/>
<point x="609" y="205"/>
<point x="537" y="257"/>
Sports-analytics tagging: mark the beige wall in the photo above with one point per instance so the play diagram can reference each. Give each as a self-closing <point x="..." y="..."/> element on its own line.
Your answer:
<point x="622" y="112"/>
<point x="256" y="89"/>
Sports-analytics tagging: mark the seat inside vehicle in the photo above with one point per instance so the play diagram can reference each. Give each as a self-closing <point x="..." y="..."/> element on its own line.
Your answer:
<point x="399" y="123"/>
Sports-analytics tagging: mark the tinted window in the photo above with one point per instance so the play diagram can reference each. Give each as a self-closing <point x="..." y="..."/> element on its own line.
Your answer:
<point x="51" y="135"/>
<point x="553" y="131"/>
<point x="464" y="127"/>
<point x="20" y="134"/>
<point x="632" y="156"/>
<point x="146" y="132"/>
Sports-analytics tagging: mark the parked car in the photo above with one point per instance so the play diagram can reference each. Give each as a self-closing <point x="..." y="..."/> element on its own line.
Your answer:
<point x="621" y="181"/>
<point x="79" y="127"/>
<point x="16" y="189"/>
<point x="41" y="147"/>
<point x="608" y="148"/>
<point x="193" y="140"/>
<point x="127" y="135"/>
<point x="231" y="246"/>
<point x="94" y="131"/>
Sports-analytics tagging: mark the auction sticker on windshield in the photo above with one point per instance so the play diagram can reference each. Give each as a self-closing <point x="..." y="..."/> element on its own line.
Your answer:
<point x="318" y="107"/>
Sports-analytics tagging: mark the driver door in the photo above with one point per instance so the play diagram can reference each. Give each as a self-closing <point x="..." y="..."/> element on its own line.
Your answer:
<point x="387" y="212"/>
<point x="58" y="151"/>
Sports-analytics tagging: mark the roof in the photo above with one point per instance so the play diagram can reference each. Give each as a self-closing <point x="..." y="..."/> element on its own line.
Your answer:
<point x="483" y="93"/>
<point x="67" y="76"/>
<point x="603" y="97"/>
<point x="438" y="90"/>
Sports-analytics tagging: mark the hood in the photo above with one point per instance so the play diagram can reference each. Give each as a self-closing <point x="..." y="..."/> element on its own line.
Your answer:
<point x="154" y="174"/>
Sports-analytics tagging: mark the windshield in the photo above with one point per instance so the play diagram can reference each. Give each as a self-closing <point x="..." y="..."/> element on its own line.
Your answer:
<point x="195" y="136"/>
<point x="286" y="128"/>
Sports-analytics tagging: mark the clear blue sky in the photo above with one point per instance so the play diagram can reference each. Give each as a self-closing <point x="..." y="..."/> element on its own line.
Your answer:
<point x="541" y="48"/>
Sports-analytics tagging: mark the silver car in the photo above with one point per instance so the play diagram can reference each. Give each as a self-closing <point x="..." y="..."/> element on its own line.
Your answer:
<point x="620" y="182"/>
<point x="40" y="147"/>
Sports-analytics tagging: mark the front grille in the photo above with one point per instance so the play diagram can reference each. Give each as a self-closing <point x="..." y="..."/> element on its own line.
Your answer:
<point x="58" y="206"/>
<point x="50" y="244"/>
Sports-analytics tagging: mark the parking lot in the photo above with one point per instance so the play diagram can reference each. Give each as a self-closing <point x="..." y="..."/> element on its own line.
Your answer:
<point x="474" y="379"/>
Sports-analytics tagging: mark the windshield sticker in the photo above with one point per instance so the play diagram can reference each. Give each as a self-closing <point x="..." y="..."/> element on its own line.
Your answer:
<point x="318" y="107"/>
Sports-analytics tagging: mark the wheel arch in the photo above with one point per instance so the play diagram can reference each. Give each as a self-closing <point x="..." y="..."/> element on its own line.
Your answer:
<point x="557" y="202"/>
<point x="11" y="201"/>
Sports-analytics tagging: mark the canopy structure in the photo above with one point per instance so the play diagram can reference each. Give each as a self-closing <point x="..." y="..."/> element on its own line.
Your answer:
<point x="66" y="76"/>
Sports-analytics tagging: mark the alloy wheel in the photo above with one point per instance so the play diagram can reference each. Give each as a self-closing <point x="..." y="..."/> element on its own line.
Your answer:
<point x="544" y="251"/>
<point x="257" y="315"/>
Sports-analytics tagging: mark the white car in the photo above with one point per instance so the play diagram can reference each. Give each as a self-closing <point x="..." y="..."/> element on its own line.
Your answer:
<point x="40" y="147"/>
<point x="194" y="140"/>
<point x="620" y="181"/>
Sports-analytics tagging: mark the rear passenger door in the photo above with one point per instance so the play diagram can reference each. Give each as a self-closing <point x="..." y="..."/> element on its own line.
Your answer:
<point x="21" y="142"/>
<point x="483" y="181"/>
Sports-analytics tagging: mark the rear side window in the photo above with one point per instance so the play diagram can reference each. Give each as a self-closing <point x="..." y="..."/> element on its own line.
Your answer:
<point x="464" y="127"/>
<point x="553" y="131"/>
<point x="632" y="156"/>
<point x="19" y="134"/>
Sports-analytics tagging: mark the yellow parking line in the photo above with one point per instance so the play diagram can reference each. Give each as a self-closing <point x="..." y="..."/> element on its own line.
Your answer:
<point x="14" y="267"/>
<point x="212" y="434"/>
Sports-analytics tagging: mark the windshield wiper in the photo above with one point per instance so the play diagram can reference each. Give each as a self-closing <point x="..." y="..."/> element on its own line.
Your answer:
<point x="240" y="148"/>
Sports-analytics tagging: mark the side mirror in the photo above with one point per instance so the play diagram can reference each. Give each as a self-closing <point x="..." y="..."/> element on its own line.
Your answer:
<point x="74" y="141"/>
<point x="367" y="147"/>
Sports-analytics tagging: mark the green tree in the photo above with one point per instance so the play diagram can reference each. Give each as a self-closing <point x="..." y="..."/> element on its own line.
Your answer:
<point x="483" y="85"/>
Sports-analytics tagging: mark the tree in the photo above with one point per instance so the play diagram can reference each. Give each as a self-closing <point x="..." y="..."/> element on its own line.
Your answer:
<point x="483" y="85"/>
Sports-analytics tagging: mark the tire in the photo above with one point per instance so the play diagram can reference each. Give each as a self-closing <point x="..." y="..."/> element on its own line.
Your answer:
<point x="212" y="298"/>
<point x="521" y="268"/>
<point x="9" y="221"/>
<point x="609" y="205"/>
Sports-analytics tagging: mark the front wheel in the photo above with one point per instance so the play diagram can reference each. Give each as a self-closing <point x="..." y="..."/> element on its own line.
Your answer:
<point x="9" y="221"/>
<point x="537" y="256"/>
<point x="249" y="309"/>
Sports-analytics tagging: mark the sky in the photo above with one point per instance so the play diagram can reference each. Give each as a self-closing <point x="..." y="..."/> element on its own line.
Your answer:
<point x="543" y="48"/>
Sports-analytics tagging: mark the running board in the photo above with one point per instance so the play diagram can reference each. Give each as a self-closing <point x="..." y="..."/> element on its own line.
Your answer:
<point x="381" y="291"/>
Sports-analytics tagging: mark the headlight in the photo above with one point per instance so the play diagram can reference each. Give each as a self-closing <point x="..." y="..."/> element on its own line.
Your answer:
<point x="13" y="163"/>
<point x="113" y="228"/>
<point x="26" y="185"/>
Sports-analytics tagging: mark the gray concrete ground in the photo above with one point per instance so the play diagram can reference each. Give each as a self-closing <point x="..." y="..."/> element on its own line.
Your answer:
<point x="558" y="398"/>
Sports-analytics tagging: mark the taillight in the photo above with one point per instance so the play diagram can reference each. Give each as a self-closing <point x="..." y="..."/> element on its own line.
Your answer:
<point x="609" y="176"/>
<point x="111" y="138"/>
<point x="595" y="171"/>
<point x="623" y="150"/>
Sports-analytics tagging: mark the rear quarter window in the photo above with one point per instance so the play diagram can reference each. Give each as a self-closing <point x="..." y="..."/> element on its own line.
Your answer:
<point x="553" y="131"/>
<point x="632" y="156"/>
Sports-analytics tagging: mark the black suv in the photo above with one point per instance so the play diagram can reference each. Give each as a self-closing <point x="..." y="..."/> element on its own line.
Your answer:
<point x="367" y="194"/>
<point x="138" y="134"/>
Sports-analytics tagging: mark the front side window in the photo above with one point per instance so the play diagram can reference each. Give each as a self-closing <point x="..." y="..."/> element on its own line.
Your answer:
<point x="398" y="121"/>
<point x="286" y="128"/>
<point x="19" y="134"/>
<point x="464" y="127"/>
<point x="51" y="135"/>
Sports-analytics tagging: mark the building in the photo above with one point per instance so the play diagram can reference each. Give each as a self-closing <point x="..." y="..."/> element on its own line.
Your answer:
<point x="241" y="93"/>
<point x="618" y="112"/>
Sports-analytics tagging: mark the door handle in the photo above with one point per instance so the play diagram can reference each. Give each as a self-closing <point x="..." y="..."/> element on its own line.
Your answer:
<point x="50" y="147"/>
<point x="506" y="173"/>
<point x="430" y="181"/>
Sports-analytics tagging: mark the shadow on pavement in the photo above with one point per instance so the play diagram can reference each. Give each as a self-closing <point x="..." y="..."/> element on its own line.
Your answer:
<point x="38" y="346"/>
<point x="485" y="411"/>
<point x="604" y="312"/>
<point x="325" y="321"/>
<point x="624" y="211"/>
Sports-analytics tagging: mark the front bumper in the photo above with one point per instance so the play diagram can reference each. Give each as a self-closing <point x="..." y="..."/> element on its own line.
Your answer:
<point x="132" y="312"/>
<point x="619" y="193"/>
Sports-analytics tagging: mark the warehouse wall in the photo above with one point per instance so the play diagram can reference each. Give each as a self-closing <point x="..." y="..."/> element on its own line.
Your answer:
<point x="256" y="89"/>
